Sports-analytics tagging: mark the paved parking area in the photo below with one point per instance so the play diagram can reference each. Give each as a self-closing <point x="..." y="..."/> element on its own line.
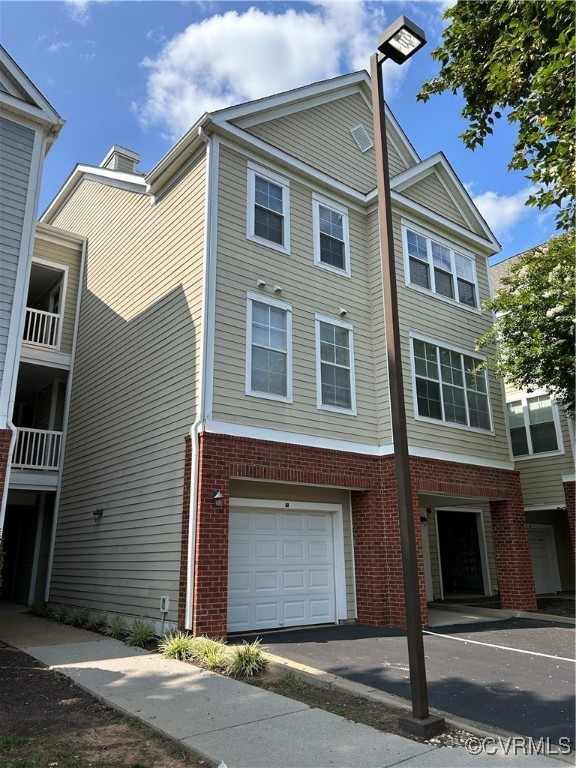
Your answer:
<point x="517" y="675"/>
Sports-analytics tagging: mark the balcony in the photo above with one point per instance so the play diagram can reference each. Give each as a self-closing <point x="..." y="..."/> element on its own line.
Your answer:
<point x="41" y="328"/>
<point x="37" y="449"/>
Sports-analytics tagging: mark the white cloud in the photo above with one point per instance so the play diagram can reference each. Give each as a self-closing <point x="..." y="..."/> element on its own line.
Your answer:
<point x="503" y="212"/>
<point x="234" y="57"/>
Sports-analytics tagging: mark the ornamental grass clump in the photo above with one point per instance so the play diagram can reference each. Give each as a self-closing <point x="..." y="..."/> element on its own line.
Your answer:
<point x="209" y="653"/>
<point x="79" y="617"/>
<point x="176" y="645"/>
<point x="117" y="628"/>
<point x="246" y="660"/>
<point x="140" y="632"/>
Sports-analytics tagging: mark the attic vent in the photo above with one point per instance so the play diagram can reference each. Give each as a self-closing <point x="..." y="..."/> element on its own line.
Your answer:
<point x="362" y="138"/>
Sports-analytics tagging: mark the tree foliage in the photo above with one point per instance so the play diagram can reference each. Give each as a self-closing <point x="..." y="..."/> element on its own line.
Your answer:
<point x="534" y="333"/>
<point x="517" y="57"/>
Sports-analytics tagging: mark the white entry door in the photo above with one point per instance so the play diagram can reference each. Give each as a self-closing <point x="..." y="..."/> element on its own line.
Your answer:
<point x="544" y="560"/>
<point x="281" y="569"/>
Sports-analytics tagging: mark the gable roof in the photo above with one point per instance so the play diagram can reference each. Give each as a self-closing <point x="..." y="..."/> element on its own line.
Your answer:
<point x="439" y="166"/>
<point x="20" y="97"/>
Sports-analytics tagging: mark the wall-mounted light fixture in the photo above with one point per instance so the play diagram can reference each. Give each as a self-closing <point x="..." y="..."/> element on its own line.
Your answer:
<point x="423" y="520"/>
<point x="277" y="289"/>
<point x="260" y="283"/>
<point x="98" y="512"/>
<point x="218" y="499"/>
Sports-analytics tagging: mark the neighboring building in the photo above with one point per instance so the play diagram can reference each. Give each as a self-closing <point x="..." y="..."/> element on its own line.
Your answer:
<point x="542" y="447"/>
<point x="230" y="415"/>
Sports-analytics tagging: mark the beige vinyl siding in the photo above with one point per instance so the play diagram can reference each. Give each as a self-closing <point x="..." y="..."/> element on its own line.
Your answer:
<point x="139" y="333"/>
<point x="70" y="257"/>
<point x="447" y="324"/>
<point x="320" y="136"/>
<point x="541" y="476"/>
<point x="16" y="146"/>
<point x="431" y="193"/>
<point x="309" y="289"/>
<point x="251" y="490"/>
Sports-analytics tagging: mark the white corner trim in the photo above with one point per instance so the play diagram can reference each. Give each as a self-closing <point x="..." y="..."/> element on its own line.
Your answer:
<point x="568" y="478"/>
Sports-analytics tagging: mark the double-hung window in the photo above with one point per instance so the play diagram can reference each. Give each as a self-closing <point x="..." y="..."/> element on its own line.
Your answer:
<point x="268" y="208"/>
<point x="439" y="268"/>
<point x="331" y="235"/>
<point x="335" y="365"/>
<point x="534" y="426"/>
<point x="450" y="386"/>
<point x="268" y="348"/>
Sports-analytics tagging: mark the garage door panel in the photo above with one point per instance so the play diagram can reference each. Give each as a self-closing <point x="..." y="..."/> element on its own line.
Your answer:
<point x="281" y="570"/>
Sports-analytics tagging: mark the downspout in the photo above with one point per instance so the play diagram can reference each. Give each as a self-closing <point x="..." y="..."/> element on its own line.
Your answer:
<point x="65" y="424"/>
<point x="198" y="425"/>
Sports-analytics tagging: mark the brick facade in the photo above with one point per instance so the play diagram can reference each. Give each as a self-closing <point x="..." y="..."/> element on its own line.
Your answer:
<point x="5" y="438"/>
<point x="569" y="493"/>
<point x="377" y="554"/>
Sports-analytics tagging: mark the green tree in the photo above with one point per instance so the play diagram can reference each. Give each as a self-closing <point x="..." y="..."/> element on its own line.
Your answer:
<point x="534" y="333"/>
<point x="518" y="58"/>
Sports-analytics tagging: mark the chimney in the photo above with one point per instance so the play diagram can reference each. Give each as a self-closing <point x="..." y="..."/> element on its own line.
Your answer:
<point x="121" y="159"/>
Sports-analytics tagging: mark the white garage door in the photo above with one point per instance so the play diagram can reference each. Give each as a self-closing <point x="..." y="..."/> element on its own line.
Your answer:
<point x="544" y="561"/>
<point x="281" y="569"/>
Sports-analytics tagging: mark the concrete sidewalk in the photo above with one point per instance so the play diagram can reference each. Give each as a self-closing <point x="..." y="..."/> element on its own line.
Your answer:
<point x="222" y="719"/>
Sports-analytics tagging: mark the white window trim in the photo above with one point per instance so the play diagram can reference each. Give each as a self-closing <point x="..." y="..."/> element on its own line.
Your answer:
<point x="523" y="398"/>
<point x="461" y="351"/>
<point x="257" y="170"/>
<point x="57" y="267"/>
<point x="317" y="201"/>
<point x="319" y="404"/>
<point x="251" y="297"/>
<point x="406" y="225"/>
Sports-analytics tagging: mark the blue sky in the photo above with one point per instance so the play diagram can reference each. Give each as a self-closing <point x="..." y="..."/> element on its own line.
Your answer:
<point x="139" y="73"/>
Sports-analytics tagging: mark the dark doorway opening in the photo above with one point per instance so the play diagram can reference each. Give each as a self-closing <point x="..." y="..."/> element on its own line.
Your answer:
<point x="460" y="559"/>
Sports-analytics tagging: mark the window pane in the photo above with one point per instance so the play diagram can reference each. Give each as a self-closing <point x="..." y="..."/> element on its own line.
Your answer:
<point x="428" y="395"/>
<point x="331" y="223"/>
<point x="464" y="267"/>
<point x="516" y="414"/>
<point x="269" y="372"/>
<point x="478" y="410"/>
<point x="444" y="285"/>
<point x="269" y="350"/>
<point x="277" y="318"/>
<point x="268" y="195"/>
<point x="416" y="245"/>
<point x="451" y="367"/>
<point x="331" y="252"/>
<point x="519" y="441"/>
<point x="454" y="404"/>
<point x="419" y="273"/>
<point x="475" y="379"/>
<point x="540" y="410"/>
<point x="543" y="437"/>
<point x="425" y="360"/>
<point x="268" y="225"/>
<point x="441" y="257"/>
<point x="466" y="293"/>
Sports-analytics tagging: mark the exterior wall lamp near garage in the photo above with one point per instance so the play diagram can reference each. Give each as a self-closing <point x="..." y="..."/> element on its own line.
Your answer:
<point x="218" y="499"/>
<point x="401" y="40"/>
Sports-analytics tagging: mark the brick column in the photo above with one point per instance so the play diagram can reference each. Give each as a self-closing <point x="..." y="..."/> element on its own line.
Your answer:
<point x="569" y="488"/>
<point x="513" y="561"/>
<point x="5" y="438"/>
<point x="370" y="550"/>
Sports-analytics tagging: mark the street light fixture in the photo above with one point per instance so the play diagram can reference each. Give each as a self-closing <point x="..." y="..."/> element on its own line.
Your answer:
<point x="400" y="41"/>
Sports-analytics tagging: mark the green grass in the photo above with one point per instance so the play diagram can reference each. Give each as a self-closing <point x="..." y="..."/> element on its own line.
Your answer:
<point x="140" y="632"/>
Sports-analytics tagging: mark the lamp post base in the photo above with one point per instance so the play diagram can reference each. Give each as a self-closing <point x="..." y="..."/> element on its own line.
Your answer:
<point x="425" y="727"/>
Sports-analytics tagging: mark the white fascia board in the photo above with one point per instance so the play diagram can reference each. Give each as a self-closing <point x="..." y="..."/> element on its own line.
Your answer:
<point x="30" y="112"/>
<point x="128" y="181"/>
<point x="292" y="98"/>
<point x="458" y="193"/>
<point x="180" y="153"/>
<point x="27" y="87"/>
<point x="488" y="247"/>
<point x="232" y="429"/>
<point x="58" y="236"/>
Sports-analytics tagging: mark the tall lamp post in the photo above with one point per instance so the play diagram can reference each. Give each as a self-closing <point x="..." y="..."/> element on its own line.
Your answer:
<point x="400" y="41"/>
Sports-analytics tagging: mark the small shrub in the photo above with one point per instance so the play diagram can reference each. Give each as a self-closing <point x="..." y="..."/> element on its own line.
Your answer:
<point x="209" y="653"/>
<point x="60" y="613"/>
<point x="97" y="623"/>
<point x="246" y="660"/>
<point x="39" y="608"/>
<point x="176" y="645"/>
<point x="117" y="628"/>
<point x="79" y="617"/>
<point x="140" y="632"/>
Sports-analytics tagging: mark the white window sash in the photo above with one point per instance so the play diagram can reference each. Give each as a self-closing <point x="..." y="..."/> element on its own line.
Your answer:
<point x="317" y="201"/>
<point x="524" y="400"/>
<point x="256" y="170"/>
<point x="256" y="297"/>
<point x="348" y="326"/>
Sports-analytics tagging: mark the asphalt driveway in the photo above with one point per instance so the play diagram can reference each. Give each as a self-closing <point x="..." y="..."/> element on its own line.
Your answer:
<point x="517" y="675"/>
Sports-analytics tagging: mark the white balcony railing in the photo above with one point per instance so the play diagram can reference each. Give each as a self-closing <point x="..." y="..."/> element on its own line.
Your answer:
<point x="41" y="328"/>
<point x="37" y="449"/>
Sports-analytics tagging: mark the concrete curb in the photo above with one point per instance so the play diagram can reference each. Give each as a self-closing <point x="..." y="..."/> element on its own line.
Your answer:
<point x="505" y="614"/>
<point x="333" y="682"/>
